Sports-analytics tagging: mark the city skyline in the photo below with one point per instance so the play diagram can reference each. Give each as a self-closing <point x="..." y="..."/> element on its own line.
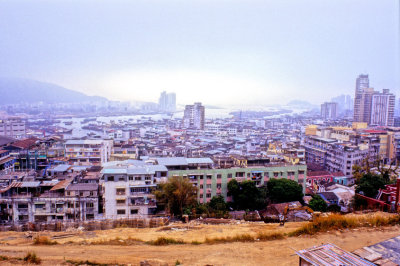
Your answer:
<point x="257" y="54"/>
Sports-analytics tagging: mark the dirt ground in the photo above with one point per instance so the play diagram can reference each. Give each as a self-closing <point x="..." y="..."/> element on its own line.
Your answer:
<point x="278" y="252"/>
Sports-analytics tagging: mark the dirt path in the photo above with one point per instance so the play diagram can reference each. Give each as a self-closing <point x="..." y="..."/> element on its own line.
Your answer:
<point x="277" y="252"/>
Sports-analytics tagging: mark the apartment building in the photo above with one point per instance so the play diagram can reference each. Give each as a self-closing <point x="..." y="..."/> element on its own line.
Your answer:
<point x="13" y="127"/>
<point x="49" y="201"/>
<point x="329" y="110"/>
<point x="88" y="151"/>
<point x="342" y="157"/>
<point x="193" y="116"/>
<point x="213" y="182"/>
<point x="382" y="109"/>
<point x="127" y="188"/>
<point x="6" y="162"/>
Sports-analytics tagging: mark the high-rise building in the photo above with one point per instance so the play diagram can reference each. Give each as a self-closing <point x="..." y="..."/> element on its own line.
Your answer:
<point x="167" y="102"/>
<point x="362" y="83"/>
<point x="329" y="110"/>
<point x="193" y="116"/>
<point x="373" y="107"/>
<point x="382" y="108"/>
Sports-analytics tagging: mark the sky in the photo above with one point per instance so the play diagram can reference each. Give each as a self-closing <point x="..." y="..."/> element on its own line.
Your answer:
<point x="219" y="52"/>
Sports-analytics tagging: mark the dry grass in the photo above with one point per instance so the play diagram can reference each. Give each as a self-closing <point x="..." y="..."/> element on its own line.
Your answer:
<point x="163" y="241"/>
<point x="337" y="222"/>
<point x="43" y="240"/>
<point x="31" y="257"/>
<point x="117" y="241"/>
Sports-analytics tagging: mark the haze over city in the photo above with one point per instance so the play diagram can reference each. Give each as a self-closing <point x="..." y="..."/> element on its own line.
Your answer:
<point x="238" y="52"/>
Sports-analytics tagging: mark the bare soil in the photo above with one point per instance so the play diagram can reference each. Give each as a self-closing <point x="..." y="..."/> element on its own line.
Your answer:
<point x="76" y="246"/>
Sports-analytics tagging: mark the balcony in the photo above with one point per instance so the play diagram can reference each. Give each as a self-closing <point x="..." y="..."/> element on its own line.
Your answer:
<point x="23" y="211"/>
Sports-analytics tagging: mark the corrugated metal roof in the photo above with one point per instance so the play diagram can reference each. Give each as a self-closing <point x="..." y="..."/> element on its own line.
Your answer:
<point x="330" y="254"/>
<point x="30" y="184"/>
<point x="62" y="184"/>
<point x="61" y="168"/>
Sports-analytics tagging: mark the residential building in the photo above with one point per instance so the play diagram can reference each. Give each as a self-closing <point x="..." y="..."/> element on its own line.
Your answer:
<point x="214" y="182"/>
<point x="127" y="188"/>
<point x="193" y="116"/>
<point x="167" y="102"/>
<point x="6" y="162"/>
<point x="329" y="110"/>
<point x="13" y="127"/>
<point x="88" y="151"/>
<point x="382" y="109"/>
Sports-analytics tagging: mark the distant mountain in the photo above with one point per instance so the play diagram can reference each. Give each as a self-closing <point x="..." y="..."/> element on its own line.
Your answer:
<point x="18" y="90"/>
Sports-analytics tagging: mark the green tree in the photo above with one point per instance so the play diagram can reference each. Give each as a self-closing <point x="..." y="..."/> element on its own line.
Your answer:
<point x="333" y="208"/>
<point x="317" y="203"/>
<point x="218" y="204"/>
<point x="284" y="190"/>
<point x="370" y="184"/>
<point x="246" y="195"/>
<point x="176" y="195"/>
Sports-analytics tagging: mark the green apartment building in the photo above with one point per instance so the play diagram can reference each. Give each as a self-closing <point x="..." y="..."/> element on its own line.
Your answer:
<point x="213" y="182"/>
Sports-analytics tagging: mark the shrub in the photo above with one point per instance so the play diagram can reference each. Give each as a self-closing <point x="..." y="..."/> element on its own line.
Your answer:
<point x="43" y="240"/>
<point x="162" y="241"/>
<point x="337" y="221"/>
<point x="269" y="237"/>
<point x="31" y="257"/>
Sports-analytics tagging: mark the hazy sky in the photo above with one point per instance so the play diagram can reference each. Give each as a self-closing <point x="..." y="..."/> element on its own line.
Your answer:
<point x="217" y="51"/>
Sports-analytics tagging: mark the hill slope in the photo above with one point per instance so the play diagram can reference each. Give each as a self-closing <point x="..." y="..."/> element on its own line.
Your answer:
<point x="17" y="90"/>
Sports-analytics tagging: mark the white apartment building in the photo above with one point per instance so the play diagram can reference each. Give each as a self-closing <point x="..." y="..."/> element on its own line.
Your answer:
<point x="127" y="188"/>
<point x="382" y="109"/>
<point x="193" y="116"/>
<point x="88" y="151"/>
<point x="13" y="127"/>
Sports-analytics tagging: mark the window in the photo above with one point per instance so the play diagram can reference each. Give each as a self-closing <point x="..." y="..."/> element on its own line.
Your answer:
<point x="219" y="186"/>
<point x="81" y="194"/>
<point x="208" y="185"/>
<point x="201" y="186"/>
<point x="229" y="175"/>
<point x="209" y="176"/>
<point x="120" y="201"/>
<point x="219" y="176"/>
<point x="110" y="178"/>
<point x="139" y="190"/>
<point x="120" y="212"/>
<point x="148" y="178"/>
<point x="121" y="178"/>
<point x="89" y="205"/>
<point x="120" y="191"/>
<point x="131" y="178"/>
<point x="138" y="178"/>
<point x="201" y="177"/>
<point x="208" y="195"/>
<point x="239" y="174"/>
<point x="134" y="211"/>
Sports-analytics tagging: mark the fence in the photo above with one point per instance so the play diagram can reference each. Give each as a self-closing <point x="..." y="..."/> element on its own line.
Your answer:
<point x="88" y="225"/>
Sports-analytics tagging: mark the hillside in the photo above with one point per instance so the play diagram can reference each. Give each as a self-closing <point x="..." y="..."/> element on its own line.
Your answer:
<point x="17" y="90"/>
